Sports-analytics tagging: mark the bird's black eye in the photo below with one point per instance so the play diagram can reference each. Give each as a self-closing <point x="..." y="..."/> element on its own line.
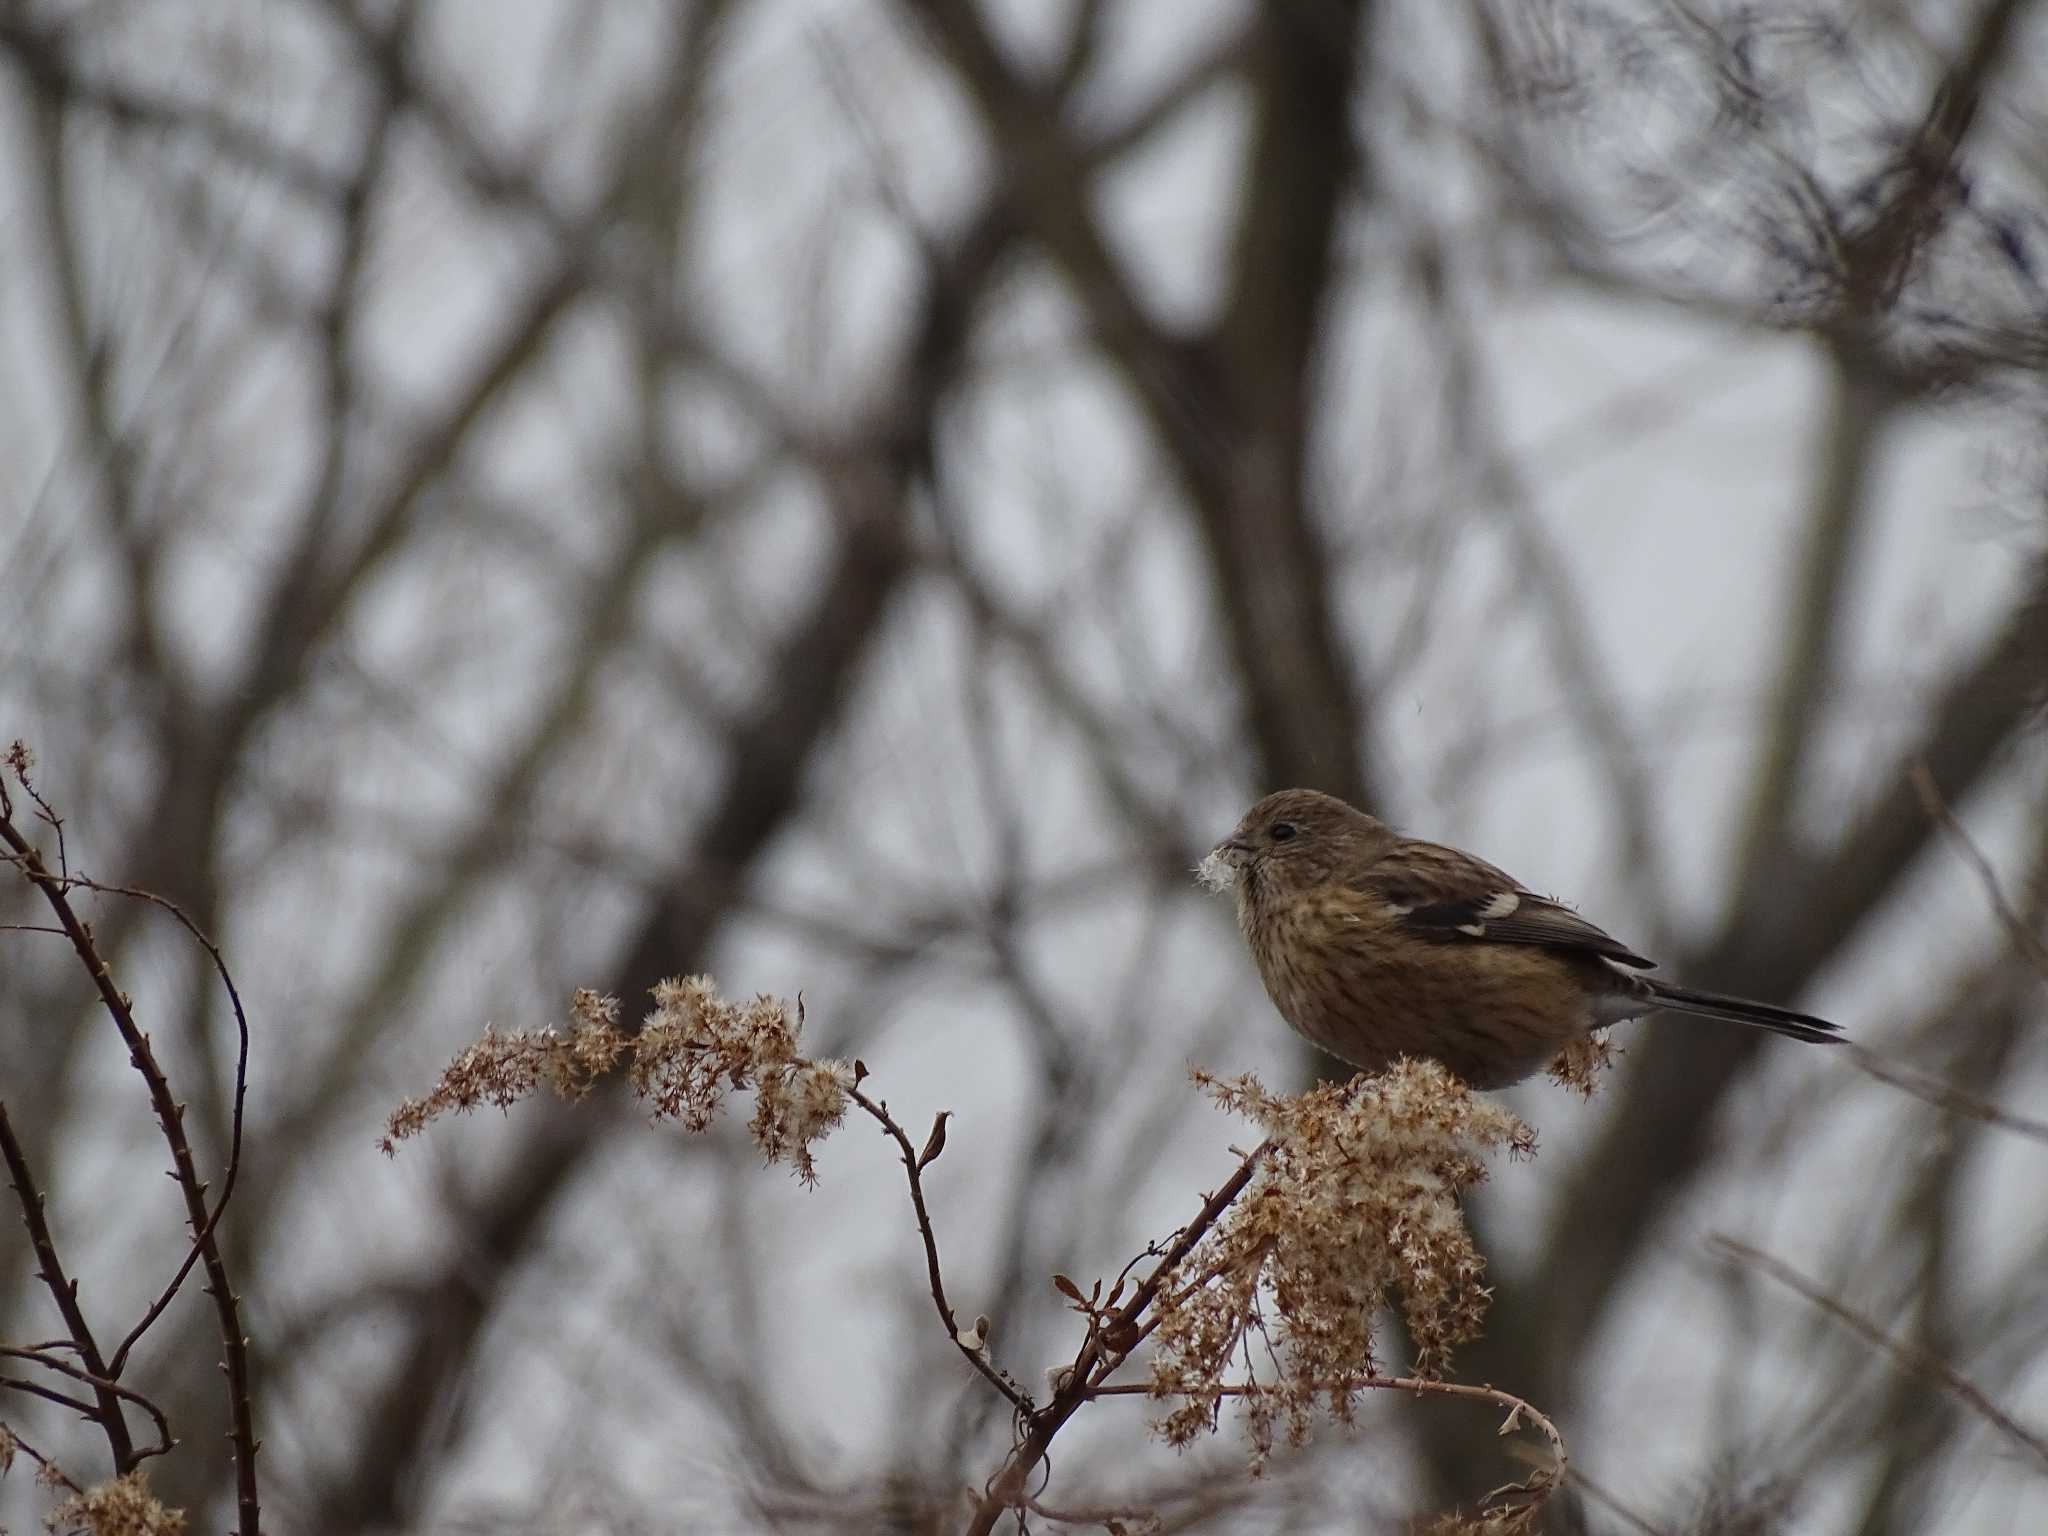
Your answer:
<point x="1281" y="831"/>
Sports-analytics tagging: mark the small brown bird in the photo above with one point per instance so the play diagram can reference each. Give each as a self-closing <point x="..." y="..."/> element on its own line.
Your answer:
<point x="1375" y="945"/>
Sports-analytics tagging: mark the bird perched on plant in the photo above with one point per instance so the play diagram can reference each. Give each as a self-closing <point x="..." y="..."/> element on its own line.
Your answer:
<point x="1375" y="945"/>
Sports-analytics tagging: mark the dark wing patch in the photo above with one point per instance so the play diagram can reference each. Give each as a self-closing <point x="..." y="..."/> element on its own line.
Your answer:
<point x="1449" y="895"/>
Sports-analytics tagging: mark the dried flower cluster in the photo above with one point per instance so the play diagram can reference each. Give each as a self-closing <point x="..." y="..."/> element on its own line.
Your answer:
<point x="1579" y="1065"/>
<point x="693" y="1049"/>
<point x="122" y="1507"/>
<point x="1355" y="1202"/>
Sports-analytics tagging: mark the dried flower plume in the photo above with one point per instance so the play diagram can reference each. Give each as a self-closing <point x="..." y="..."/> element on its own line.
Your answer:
<point x="1355" y="1204"/>
<point x="122" y="1507"/>
<point x="1351" y="1205"/>
<point x="693" y="1050"/>
<point x="1579" y="1065"/>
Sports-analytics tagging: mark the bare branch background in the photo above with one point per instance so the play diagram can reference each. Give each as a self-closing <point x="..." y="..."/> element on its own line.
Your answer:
<point x="857" y="496"/>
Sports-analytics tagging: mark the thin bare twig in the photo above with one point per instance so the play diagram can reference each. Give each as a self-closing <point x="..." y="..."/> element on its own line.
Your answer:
<point x="234" y="1159"/>
<point x="914" y="1165"/>
<point x="65" y="1294"/>
<point x="2024" y="938"/>
<point x="51" y="1472"/>
<point x="18" y="762"/>
<point x="77" y="1405"/>
<point x="1602" y="1496"/>
<point x="50" y="1360"/>
<point x="1908" y="1355"/>
<point x="1204" y="1499"/>
<point x="1943" y="1095"/>
<point x="1519" y="1408"/>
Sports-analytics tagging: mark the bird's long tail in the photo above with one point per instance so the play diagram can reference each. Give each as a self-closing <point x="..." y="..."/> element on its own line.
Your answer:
<point x="1741" y="1010"/>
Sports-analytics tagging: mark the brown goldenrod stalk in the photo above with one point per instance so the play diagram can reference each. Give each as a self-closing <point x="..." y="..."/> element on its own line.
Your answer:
<point x="1352" y="1197"/>
<point x="693" y="1049"/>
<point x="691" y="1052"/>
<point x="1355" y="1203"/>
<point x="1350" y="1206"/>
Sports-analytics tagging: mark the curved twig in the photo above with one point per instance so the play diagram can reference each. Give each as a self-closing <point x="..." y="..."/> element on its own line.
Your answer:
<point x="234" y="1161"/>
<point x="1519" y="1408"/>
<point x="49" y="1360"/>
<point x="976" y="1352"/>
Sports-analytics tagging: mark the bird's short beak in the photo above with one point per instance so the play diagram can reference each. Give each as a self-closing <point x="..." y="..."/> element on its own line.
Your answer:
<point x="1233" y="850"/>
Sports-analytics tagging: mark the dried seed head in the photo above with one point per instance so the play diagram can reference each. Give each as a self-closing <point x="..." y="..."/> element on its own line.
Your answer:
<point x="694" y="1049"/>
<point x="123" y="1506"/>
<point x="1355" y="1204"/>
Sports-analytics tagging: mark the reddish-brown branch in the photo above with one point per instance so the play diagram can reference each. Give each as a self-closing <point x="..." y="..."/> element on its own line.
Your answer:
<point x="170" y="1119"/>
<point x="1098" y="1357"/>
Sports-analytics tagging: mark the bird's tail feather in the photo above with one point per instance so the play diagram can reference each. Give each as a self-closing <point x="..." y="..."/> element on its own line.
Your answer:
<point x="1741" y="1010"/>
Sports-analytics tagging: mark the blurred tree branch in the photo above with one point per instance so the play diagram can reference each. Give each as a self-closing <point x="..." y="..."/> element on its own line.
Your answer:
<point x="727" y="480"/>
<point x="1229" y="407"/>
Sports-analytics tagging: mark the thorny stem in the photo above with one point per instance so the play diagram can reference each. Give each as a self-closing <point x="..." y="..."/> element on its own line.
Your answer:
<point x="234" y="1162"/>
<point x="169" y="1293"/>
<point x="103" y="1386"/>
<point x="170" y="1119"/>
<point x="50" y="1470"/>
<point x="65" y="1293"/>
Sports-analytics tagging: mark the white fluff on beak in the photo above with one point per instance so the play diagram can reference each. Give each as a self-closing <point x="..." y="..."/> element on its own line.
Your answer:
<point x="1218" y="872"/>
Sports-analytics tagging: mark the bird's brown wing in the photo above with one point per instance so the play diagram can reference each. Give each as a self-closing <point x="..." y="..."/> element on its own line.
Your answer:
<point x="1445" y="894"/>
